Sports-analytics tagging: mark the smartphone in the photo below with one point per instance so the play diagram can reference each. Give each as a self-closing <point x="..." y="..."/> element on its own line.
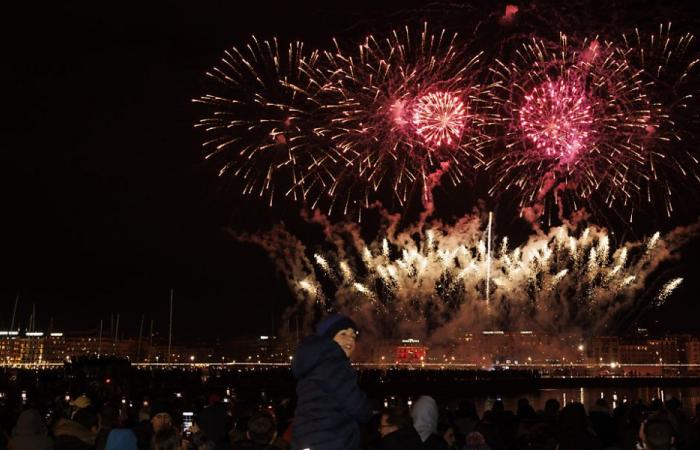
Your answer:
<point x="187" y="419"/>
<point x="24" y="397"/>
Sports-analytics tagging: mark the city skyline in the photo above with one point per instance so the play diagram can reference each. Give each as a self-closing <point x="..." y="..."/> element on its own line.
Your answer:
<point x="637" y="355"/>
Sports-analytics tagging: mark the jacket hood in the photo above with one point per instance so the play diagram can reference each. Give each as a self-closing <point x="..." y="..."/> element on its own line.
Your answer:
<point x="70" y="428"/>
<point x="212" y="421"/>
<point x="405" y="438"/>
<point x="311" y="351"/>
<point x="30" y="423"/>
<point x="425" y="416"/>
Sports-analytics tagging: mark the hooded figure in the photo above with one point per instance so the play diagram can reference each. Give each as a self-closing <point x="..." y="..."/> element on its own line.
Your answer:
<point x="425" y="421"/>
<point x="30" y="433"/>
<point x="121" y="439"/>
<point x="396" y="430"/>
<point x="76" y="434"/>
<point x="330" y="405"/>
<point x="574" y="429"/>
<point x="213" y="423"/>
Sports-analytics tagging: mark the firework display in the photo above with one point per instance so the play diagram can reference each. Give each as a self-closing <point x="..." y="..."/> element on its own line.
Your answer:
<point x="259" y="128"/>
<point x="575" y="122"/>
<point x="581" y="123"/>
<point x="667" y="66"/>
<point x="440" y="279"/>
<point x="439" y="119"/>
<point x="577" y="127"/>
<point x="400" y="110"/>
<point x="556" y="119"/>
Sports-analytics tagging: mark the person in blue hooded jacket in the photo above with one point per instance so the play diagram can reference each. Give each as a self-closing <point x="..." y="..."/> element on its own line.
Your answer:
<point x="330" y="405"/>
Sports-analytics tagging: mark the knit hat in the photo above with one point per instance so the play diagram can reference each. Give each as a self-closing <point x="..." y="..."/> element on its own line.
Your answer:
<point x="160" y="407"/>
<point x="332" y="323"/>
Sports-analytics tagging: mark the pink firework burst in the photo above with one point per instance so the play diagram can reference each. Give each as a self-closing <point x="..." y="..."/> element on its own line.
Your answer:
<point x="575" y="120"/>
<point x="556" y="118"/>
<point x="403" y="112"/>
<point x="440" y="118"/>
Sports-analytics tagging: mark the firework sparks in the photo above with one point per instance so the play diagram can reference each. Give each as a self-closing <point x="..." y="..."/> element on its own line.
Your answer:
<point x="434" y="280"/>
<point x="259" y="118"/>
<point x="400" y="112"/>
<point x="556" y="118"/>
<point x="439" y="118"/>
<point x="667" y="290"/>
<point x="667" y="63"/>
<point x="585" y="123"/>
<point x="322" y="263"/>
<point x="575" y="119"/>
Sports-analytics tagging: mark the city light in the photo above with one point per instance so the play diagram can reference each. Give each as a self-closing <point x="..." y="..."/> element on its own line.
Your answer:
<point x="551" y="355"/>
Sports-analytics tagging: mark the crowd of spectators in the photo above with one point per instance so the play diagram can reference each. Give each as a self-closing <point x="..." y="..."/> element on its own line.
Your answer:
<point x="88" y="422"/>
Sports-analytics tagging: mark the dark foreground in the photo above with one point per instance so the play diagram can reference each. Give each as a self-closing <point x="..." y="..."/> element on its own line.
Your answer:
<point x="512" y="409"/>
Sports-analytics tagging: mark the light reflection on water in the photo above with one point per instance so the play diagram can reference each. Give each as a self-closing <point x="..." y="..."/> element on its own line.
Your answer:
<point x="689" y="396"/>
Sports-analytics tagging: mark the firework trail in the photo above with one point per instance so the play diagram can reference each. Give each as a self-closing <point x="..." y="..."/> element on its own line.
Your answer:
<point x="259" y="123"/>
<point x="401" y="111"/>
<point x="575" y="118"/>
<point x="431" y="282"/>
<point x="667" y="64"/>
<point x="667" y="290"/>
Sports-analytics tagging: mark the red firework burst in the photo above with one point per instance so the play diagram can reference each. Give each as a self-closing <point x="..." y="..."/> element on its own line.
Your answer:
<point x="439" y="118"/>
<point x="556" y="118"/>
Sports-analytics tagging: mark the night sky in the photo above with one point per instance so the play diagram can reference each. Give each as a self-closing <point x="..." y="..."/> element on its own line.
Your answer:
<point x="106" y="200"/>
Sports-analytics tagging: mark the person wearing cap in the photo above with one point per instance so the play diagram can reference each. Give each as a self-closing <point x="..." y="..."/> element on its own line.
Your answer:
<point x="330" y="405"/>
<point x="161" y="418"/>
